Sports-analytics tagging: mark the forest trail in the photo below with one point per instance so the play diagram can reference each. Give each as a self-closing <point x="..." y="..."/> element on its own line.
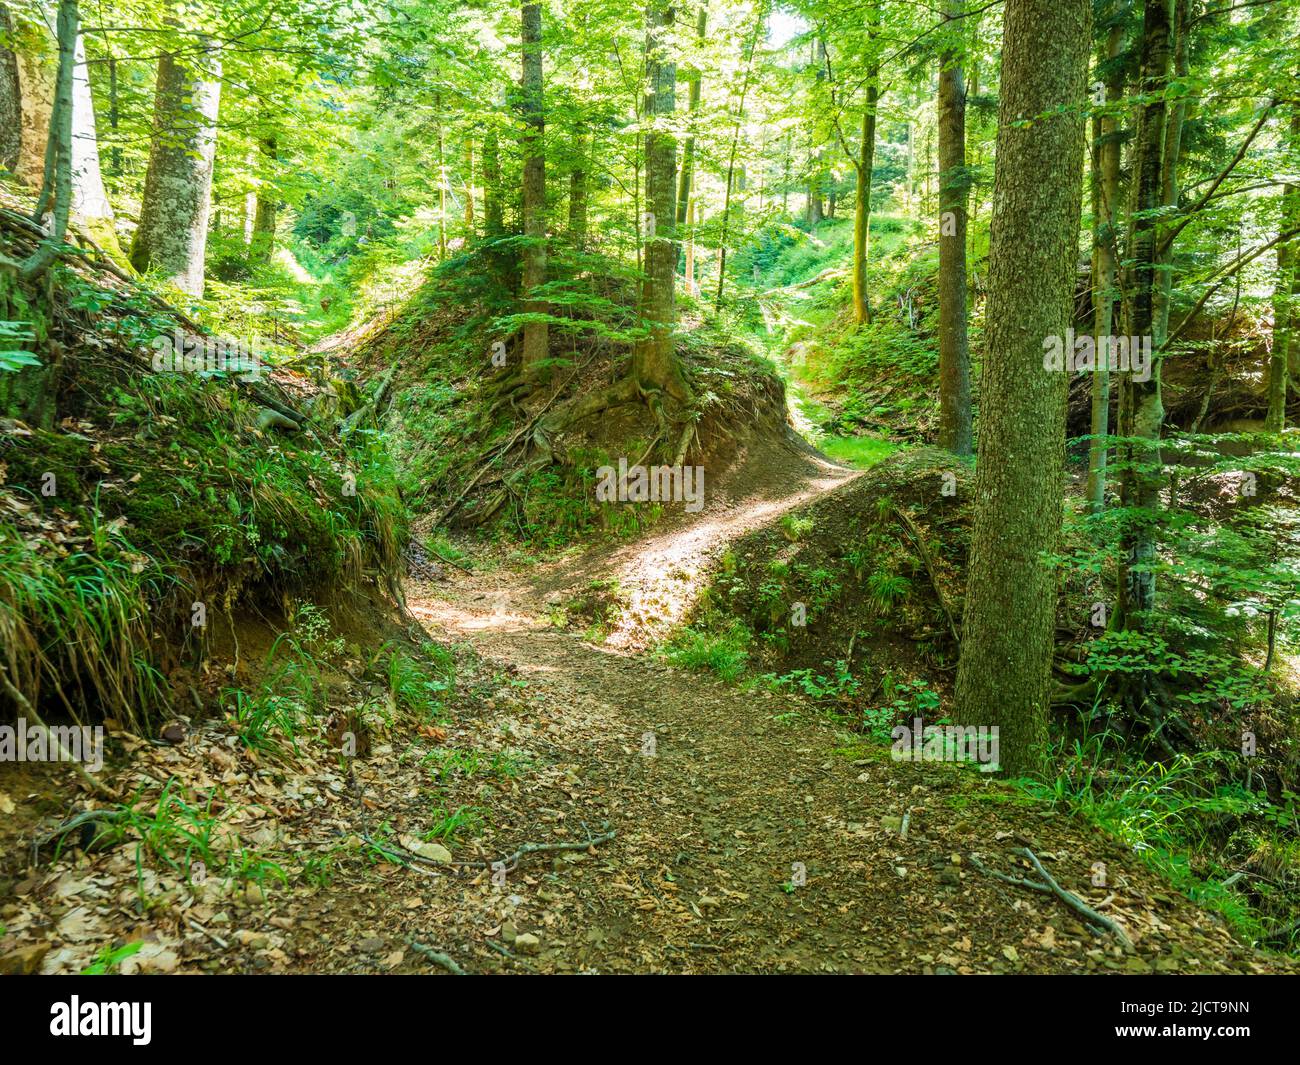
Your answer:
<point x="749" y="837"/>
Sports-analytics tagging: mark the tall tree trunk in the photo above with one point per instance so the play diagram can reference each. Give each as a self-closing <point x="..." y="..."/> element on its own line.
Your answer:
<point x="1143" y="410"/>
<point x="11" y="101"/>
<point x="493" y="219"/>
<point x="534" y="207"/>
<point x="469" y="187"/>
<point x="261" y="243"/>
<point x="59" y="183"/>
<point x="1010" y="612"/>
<point x="693" y="84"/>
<point x="578" y="192"/>
<point x="954" y="345"/>
<point x="1105" y="213"/>
<point x="1285" y="291"/>
<point x="33" y="69"/>
<point x="1173" y="150"/>
<point x="173" y="232"/>
<point x="654" y="360"/>
<point x="759" y="21"/>
<point x="862" y="205"/>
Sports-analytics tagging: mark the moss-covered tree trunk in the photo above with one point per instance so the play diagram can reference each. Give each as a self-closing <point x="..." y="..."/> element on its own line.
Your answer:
<point x="173" y="233"/>
<point x="1142" y="410"/>
<point x="1007" y="640"/>
<point x="654" y="359"/>
<point x="954" y="345"/>
<point x="534" y="191"/>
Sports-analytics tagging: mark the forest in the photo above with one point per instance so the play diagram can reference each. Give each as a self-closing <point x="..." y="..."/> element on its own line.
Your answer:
<point x="727" y="486"/>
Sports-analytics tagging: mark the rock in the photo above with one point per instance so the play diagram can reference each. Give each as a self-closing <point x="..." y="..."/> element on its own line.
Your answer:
<point x="527" y="943"/>
<point x="373" y="945"/>
<point x="432" y="852"/>
<point x="509" y="932"/>
<point x="254" y="895"/>
<point x="24" y="961"/>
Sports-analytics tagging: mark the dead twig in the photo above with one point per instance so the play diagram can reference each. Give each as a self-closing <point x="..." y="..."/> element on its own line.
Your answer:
<point x="1050" y="886"/>
<point x="511" y="862"/>
<point x="506" y="953"/>
<point x="437" y="957"/>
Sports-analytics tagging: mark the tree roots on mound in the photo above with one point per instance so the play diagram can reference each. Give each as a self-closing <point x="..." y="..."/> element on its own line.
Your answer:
<point x="537" y="435"/>
<point x="1144" y="697"/>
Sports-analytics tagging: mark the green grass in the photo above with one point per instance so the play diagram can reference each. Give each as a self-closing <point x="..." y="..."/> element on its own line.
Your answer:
<point x="859" y="451"/>
<point x="725" y="653"/>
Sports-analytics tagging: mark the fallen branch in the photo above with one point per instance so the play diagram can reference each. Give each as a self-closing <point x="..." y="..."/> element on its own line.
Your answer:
<point x="511" y="862"/>
<point x="437" y="957"/>
<point x="26" y="706"/>
<point x="1050" y="886"/>
<point x="504" y="952"/>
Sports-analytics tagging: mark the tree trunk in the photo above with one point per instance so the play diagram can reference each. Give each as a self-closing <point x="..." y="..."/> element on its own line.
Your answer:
<point x="59" y="184"/>
<point x="1143" y="411"/>
<point x="493" y="219"/>
<point x="578" y="193"/>
<point x="1173" y="149"/>
<point x="862" y="205"/>
<point x="261" y="243"/>
<point x="954" y="345"/>
<point x="1105" y="213"/>
<point x="534" y="207"/>
<point x="173" y="232"/>
<point x="1007" y="642"/>
<point x="32" y="68"/>
<point x="693" y="106"/>
<point x="11" y="101"/>
<point x="1285" y="291"/>
<point x="654" y="359"/>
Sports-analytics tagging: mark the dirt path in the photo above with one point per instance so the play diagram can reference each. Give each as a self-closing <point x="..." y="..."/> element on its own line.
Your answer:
<point x="751" y="835"/>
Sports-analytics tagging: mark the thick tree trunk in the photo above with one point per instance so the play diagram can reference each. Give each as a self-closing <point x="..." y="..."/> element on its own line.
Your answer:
<point x="536" y="338"/>
<point x="1010" y="611"/>
<point x="954" y="345"/>
<point x="1105" y="213"/>
<point x="173" y="233"/>
<point x="654" y="359"/>
<point x="1143" y="410"/>
<point x="11" y="101"/>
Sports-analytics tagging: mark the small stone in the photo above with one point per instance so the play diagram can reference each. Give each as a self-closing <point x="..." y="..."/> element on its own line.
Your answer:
<point x="373" y="945"/>
<point x="24" y="961"/>
<point x="527" y="943"/>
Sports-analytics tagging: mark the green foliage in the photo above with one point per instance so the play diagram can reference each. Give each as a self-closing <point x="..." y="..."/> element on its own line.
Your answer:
<point x="724" y="653"/>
